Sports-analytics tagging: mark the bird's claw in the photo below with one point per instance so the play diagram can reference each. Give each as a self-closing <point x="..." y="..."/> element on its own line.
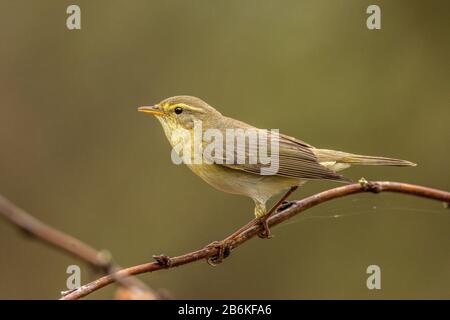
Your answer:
<point x="223" y="251"/>
<point x="265" y="233"/>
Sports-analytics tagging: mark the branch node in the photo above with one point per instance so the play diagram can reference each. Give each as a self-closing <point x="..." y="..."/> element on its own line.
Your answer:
<point x="369" y="186"/>
<point x="163" y="260"/>
<point x="223" y="249"/>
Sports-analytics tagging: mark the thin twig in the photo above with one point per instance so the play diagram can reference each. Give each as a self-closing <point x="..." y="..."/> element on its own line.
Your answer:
<point x="210" y="251"/>
<point x="100" y="260"/>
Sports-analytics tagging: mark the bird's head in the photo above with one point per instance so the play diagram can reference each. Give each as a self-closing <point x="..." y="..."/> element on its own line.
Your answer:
<point x="180" y="112"/>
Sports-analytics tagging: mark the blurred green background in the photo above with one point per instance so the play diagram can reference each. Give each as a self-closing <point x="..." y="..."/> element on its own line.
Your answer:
<point x="76" y="154"/>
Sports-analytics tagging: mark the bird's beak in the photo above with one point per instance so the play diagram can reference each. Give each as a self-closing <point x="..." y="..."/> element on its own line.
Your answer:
<point x="155" y="110"/>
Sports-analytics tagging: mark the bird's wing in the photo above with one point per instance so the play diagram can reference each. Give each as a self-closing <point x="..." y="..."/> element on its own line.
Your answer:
<point x="295" y="159"/>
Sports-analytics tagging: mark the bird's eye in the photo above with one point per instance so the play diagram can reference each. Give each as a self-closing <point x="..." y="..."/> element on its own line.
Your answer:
<point x="178" y="110"/>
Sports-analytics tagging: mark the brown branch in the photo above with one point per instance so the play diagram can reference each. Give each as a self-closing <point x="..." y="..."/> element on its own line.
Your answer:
<point x="253" y="228"/>
<point x="100" y="260"/>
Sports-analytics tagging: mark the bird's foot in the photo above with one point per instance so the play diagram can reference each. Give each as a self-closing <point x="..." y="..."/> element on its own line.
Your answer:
<point x="223" y="251"/>
<point x="285" y="205"/>
<point x="265" y="233"/>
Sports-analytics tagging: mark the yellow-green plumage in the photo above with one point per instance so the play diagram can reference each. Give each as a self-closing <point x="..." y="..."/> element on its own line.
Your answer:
<point x="298" y="161"/>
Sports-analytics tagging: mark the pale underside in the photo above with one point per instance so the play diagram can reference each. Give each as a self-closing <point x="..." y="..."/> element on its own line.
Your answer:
<point x="258" y="187"/>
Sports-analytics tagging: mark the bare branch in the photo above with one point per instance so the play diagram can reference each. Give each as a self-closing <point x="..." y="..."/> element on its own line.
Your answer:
<point x="253" y="228"/>
<point x="100" y="260"/>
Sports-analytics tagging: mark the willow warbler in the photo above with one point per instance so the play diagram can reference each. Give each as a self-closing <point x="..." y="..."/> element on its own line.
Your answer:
<point x="296" y="161"/>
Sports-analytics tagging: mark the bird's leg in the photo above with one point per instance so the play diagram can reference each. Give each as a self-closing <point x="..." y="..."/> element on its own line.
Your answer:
<point x="224" y="247"/>
<point x="265" y="234"/>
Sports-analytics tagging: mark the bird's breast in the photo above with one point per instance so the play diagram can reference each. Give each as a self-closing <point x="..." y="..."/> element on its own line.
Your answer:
<point x="241" y="182"/>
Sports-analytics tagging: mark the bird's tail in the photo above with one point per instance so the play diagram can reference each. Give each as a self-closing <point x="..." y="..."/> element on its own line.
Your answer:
<point x="324" y="155"/>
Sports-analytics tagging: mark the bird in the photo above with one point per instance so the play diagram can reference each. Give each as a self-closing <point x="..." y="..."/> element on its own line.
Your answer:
<point x="296" y="161"/>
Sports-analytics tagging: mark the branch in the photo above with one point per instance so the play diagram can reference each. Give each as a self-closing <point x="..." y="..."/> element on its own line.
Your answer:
<point x="253" y="228"/>
<point x="100" y="260"/>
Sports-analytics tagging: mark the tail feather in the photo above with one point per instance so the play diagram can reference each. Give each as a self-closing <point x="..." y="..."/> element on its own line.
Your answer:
<point x="376" y="161"/>
<point x="356" y="159"/>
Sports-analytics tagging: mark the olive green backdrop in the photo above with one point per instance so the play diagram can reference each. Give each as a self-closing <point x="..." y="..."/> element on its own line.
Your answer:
<point x="75" y="153"/>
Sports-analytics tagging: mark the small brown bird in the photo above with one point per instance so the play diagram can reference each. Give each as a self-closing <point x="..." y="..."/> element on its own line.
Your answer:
<point x="297" y="161"/>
